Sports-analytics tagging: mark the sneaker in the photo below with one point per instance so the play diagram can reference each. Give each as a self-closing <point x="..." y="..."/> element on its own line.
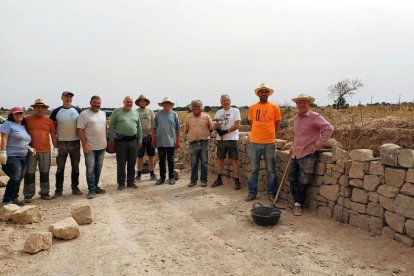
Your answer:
<point x="45" y="197"/>
<point x="297" y="209"/>
<point x="77" y="192"/>
<point x="132" y="186"/>
<point x="203" y="184"/>
<point x="171" y="181"/>
<point x="121" y="187"/>
<point x="18" y="202"/>
<point x="250" y="197"/>
<point x="160" y="181"/>
<point x="237" y="185"/>
<point x="99" y="190"/>
<point x="217" y="182"/>
<point x="27" y="200"/>
<point x="153" y="176"/>
<point x="270" y="197"/>
<point x="138" y="177"/>
<point x="57" y="194"/>
<point x="192" y="184"/>
<point x="90" y="195"/>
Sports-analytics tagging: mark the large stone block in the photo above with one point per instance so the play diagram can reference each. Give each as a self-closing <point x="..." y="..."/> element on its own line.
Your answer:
<point x="406" y="158"/>
<point x="407" y="241"/>
<point x="394" y="177"/>
<point x="376" y="168"/>
<point x="359" y="195"/>
<point x="361" y="154"/>
<point x="81" y="213"/>
<point x="404" y="206"/>
<point x="326" y="157"/>
<point x="333" y="143"/>
<point x="388" y="233"/>
<point x="373" y="197"/>
<point x="388" y="190"/>
<point x="389" y="154"/>
<point x="375" y="209"/>
<point x="357" y="183"/>
<point x="357" y="170"/>
<point x="360" y="221"/>
<point x="38" y="241"/>
<point x="329" y="180"/>
<point x="371" y="182"/>
<point x="279" y="143"/>
<point x="339" y="154"/>
<point x="375" y="226"/>
<point x="395" y="221"/>
<point x="358" y="207"/>
<point x="407" y="189"/>
<point x="329" y="192"/>
<point x="386" y="202"/>
<point x="346" y="192"/>
<point x="7" y="211"/>
<point x="66" y="229"/>
<point x="410" y="176"/>
<point x="27" y="214"/>
<point x="344" y="180"/>
<point x="409" y="227"/>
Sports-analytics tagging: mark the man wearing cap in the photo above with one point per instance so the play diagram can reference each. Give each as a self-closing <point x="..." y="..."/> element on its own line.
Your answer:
<point x="311" y="131"/>
<point x="165" y="133"/>
<point x="227" y="127"/>
<point x="91" y="127"/>
<point x="41" y="130"/>
<point x="264" y="118"/>
<point x="147" y="117"/>
<point x="198" y="127"/>
<point x="65" y="118"/>
<point x="126" y="132"/>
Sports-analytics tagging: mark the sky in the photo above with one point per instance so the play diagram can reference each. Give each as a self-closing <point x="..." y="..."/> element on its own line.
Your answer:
<point x="193" y="49"/>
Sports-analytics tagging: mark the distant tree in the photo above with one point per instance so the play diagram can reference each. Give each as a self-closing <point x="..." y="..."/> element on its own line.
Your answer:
<point x="343" y="89"/>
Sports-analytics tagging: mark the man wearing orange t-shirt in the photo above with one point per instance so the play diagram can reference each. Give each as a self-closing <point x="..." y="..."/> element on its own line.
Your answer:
<point x="41" y="129"/>
<point x="264" y="118"/>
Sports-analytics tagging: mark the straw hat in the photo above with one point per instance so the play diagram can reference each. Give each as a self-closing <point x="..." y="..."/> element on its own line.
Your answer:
<point x="142" y="97"/>
<point x="164" y="100"/>
<point x="304" y="97"/>
<point x="39" y="102"/>
<point x="263" y="86"/>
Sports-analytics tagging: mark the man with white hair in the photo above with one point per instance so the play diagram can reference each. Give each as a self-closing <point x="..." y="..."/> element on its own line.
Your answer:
<point x="126" y="132"/>
<point x="311" y="131"/>
<point x="198" y="127"/>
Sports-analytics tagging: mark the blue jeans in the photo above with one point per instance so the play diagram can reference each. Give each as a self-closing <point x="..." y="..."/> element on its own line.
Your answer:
<point x="269" y="153"/>
<point x="43" y="159"/>
<point x="199" y="152"/>
<point x="93" y="163"/>
<point x="15" y="168"/>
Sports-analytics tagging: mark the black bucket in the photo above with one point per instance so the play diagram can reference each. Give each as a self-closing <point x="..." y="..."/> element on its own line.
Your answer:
<point x="265" y="216"/>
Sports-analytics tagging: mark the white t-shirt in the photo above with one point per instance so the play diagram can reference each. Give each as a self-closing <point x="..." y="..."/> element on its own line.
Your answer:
<point x="94" y="126"/>
<point x="228" y="117"/>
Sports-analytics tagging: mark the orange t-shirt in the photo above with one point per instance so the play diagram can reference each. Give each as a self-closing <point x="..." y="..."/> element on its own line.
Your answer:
<point x="40" y="130"/>
<point x="263" y="117"/>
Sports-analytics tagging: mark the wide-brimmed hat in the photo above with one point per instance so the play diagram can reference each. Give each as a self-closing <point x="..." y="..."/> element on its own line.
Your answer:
<point x="17" y="109"/>
<point x="164" y="100"/>
<point x="142" y="97"/>
<point x="39" y="102"/>
<point x="262" y="87"/>
<point x="304" y="97"/>
<point x="64" y="93"/>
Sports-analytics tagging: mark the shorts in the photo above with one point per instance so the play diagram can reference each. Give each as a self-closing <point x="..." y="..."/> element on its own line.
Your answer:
<point x="146" y="147"/>
<point x="229" y="147"/>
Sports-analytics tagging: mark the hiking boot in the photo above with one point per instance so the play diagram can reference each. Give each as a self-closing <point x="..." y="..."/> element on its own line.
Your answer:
<point x="18" y="202"/>
<point x="160" y="181"/>
<point x="192" y="184"/>
<point x="237" y="185"/>
<point x="203" y="184"/>
<point x="250" y="197"/>
<point x="297" y="209"/>
<point x="153" y="176"/>
<point x="121" y="187"/>
<point x="270" y="197"/>
<point x="217" y="182"/>
<point x="171" y="181"/>
<point x="27" y="200"/>
<point x="76" y="191"/>
<point x="99" y="190"/>
<point x="90" y="195"/>
<point x="45" y="197"/>
<point x="132" y="186"/>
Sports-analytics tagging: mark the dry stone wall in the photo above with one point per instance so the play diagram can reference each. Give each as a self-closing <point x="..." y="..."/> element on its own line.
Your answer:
<point x="374" y="194"/>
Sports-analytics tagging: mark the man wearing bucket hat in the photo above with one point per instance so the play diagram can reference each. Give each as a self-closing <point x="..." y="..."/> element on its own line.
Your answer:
<point x="147" y="117"/>
<point x="65" y="118"/>
<point x="264" y="118"/>
<point x="311" y="131"/>
<point x="126" y="132"/>
<point x="165" y="133"/>
<point x="42" y="130"/>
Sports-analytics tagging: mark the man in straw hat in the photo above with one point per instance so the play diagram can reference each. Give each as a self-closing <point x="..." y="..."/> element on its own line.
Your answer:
<point x="165" y="134"/>
<point x="126" y="132"/>
<point x="311" y="131"/>
<point x="147" y="117"/>
<point x="264" y="118"/>
<point x="42" y="130"/>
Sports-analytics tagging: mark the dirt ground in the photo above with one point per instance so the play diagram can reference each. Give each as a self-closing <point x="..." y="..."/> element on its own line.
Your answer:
<point x="176" y="230"/>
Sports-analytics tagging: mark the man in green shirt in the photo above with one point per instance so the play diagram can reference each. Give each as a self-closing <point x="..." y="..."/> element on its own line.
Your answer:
<point x="126" y="132"/>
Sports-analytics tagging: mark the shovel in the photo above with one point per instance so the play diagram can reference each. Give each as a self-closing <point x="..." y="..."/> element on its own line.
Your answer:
<point x="281" y="184"/>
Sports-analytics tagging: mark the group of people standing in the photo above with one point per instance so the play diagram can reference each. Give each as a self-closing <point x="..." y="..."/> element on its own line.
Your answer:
<point x="136" y="132"/>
